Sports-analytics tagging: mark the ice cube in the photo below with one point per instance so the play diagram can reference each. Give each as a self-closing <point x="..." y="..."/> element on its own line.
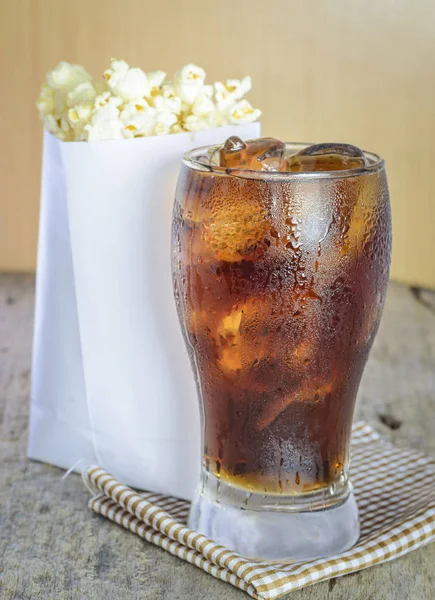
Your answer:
<point x="327" y="157"/>
<point x="263" y="154"/>
<point x="238" y="222"/>
<point x="228" y="341"/>
<point x="251" y="342"/>
<point x="306" y="391"/>
<point x="233" y="144"/>
<point x="240" y="337"/>
<point x="236" y="235"/>
<point x="205" y="161"/>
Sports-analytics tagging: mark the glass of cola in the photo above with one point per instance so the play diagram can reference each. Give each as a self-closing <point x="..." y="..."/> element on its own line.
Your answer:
<point x="280" y="262"/>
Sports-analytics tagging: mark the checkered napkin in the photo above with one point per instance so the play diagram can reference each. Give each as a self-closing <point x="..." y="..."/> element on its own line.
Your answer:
<point x="394" y="488"/>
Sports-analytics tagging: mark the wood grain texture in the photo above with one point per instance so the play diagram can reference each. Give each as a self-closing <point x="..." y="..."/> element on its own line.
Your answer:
<point x="322" y="71"/>
<point x="52" y="547"/>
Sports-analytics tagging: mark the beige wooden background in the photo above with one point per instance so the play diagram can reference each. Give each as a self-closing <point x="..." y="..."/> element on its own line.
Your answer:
<point x="343" y="70"/>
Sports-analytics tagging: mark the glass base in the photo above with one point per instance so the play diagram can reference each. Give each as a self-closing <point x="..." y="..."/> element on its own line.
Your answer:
<point x="275" y="528"/>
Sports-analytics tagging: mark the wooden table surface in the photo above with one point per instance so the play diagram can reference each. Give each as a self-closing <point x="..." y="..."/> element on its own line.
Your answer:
<point x="53" y="547"/>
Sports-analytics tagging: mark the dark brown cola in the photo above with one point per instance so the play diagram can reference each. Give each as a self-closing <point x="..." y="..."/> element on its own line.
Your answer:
<point x="280" y="280"/>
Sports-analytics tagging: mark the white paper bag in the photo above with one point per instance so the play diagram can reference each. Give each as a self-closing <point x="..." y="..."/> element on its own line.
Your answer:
<point x="112" y="382"/>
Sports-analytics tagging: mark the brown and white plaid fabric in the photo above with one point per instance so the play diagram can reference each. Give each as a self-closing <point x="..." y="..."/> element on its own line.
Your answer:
<point x="394" y="488"/>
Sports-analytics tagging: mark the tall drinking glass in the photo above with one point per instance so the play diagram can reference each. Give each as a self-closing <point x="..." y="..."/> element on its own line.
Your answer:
<point x="280" y="279"/>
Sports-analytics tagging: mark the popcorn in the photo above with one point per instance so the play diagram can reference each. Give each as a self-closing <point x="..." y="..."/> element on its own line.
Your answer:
<point x="242" y="112"/>
<point x="129" y="103"/>
<point x="177" y="128"/>
<point x="78" y="118"/>
<point x="58" y="127"/>
<point x="156" y="79"/>
<point x="107" y="98"/>
<point x="232" y="90"/>
<point x="66" y="76"/>
<point x="203" y="103"/>
<point x="45" y="103"/>
<point x="126" y="82"/>
<point x="195" y="123"/>
<point x="168" y="100"/>
<point x="80" y="101"/>
<point x="81" y="95"/>
<point x="164" y="121"/>
<point x="59" y="97"/>
<point x="105" y="124"/>
<point x="138" y="118"/>
<point x="188" y="81"/>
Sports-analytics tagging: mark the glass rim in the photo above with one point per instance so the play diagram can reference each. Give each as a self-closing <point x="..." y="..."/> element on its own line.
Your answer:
<point x="192" y="157"/>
